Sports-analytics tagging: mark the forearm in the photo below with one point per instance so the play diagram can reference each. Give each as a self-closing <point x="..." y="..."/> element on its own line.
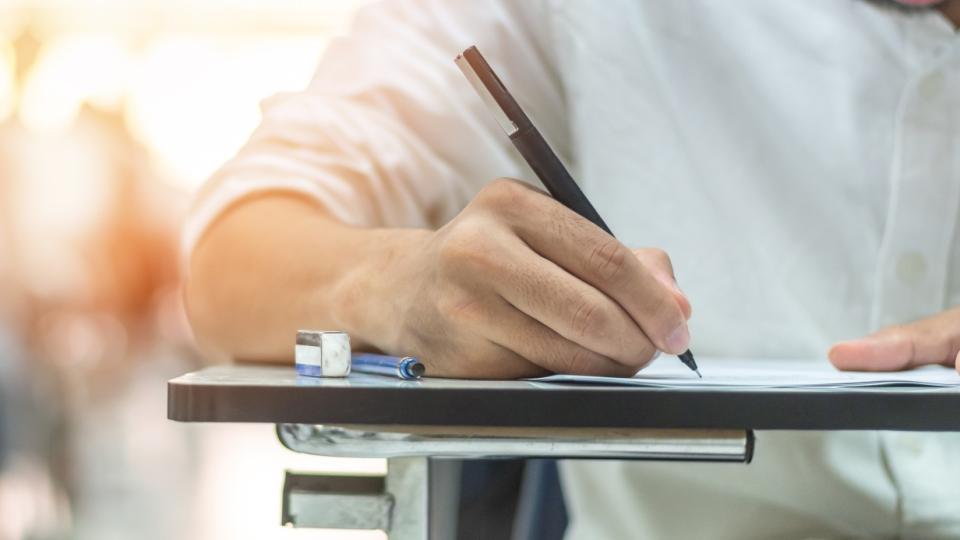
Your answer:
<point x="277" y="264"/>
<point x="515" y="285"/>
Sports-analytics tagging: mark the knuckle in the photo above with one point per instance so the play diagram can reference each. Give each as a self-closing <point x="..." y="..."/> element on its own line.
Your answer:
<point x="466" y="245"/>
<point x="501" y="194"/>
<point x="608" y="259"/>
<point x="578" y="361"/>
<point x="452" y="253"/>
<point x="662" y="258"/>
<point x="655" y="260"/>
<point x="461" y="308"/>
<point x="658" y="254"/>
<point x="588" y="320"/>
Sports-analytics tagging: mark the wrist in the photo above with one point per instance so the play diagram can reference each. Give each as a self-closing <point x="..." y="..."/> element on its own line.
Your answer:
<point x="370" y="298"/>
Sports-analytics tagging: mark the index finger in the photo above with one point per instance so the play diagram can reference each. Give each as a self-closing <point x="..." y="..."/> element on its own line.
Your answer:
<point x="928" y="341"/>
<point x="590" y="253"/>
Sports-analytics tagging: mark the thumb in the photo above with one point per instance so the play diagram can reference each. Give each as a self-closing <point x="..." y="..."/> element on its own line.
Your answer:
<point x="658" y="263"/>
<point x="934" y="340"/>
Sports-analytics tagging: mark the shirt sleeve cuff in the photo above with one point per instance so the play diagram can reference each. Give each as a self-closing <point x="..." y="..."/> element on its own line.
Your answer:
<point x="211" y="206"/>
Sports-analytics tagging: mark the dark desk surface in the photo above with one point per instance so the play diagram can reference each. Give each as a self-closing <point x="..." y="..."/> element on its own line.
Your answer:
<point x="269" y="394"/>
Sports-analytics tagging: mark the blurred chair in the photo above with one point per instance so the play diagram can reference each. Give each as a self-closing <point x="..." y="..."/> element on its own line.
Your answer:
<point x="541" y="512"/>
<point x="511" y="498"/>
<point x="488" y="498"/>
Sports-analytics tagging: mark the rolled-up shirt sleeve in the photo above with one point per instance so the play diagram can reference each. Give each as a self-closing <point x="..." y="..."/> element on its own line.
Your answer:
<point x="388" y="133"/>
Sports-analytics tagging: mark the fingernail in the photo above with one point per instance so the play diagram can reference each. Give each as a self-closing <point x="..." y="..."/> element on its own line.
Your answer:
<point x="678" y="339"/>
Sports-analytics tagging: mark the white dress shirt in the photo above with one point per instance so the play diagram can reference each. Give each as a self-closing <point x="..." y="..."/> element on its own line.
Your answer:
<point x="800" y="162"/>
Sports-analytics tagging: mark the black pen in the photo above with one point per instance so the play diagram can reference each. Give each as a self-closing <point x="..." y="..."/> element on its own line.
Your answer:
<point x="532" y="146"/>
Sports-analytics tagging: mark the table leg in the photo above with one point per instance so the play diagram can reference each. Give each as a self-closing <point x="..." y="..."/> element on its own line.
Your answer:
<point x="426" y="496"/>
<point x="408" y="483"/>
<point x="444" y="497"/>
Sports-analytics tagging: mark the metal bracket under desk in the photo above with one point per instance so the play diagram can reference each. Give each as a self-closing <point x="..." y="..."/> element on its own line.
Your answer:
<point x="276" y="395"/>
<point x="418" y="498"/>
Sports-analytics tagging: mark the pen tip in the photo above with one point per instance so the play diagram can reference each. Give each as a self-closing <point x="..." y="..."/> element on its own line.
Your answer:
<point x="697" y="371"/>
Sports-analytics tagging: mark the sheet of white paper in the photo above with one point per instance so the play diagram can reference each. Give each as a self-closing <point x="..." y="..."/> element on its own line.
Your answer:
<point x="668" y="372"/>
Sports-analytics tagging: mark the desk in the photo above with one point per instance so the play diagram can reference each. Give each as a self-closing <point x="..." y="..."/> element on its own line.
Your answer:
<point x="247" y="393"/>
<point x="410" y="421"/>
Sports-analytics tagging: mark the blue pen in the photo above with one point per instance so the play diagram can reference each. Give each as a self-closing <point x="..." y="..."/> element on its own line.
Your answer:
<point x="406" y="368"/>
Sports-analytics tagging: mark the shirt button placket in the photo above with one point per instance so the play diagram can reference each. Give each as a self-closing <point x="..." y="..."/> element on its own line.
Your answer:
<point x="925" y="194"/>
<point x="911" y="268"/>
<point x="924" y="198"/>
<point x="931" y="86"/>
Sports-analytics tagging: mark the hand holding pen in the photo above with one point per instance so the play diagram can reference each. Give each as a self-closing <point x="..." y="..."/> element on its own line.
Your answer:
<point x="506" y="290"/>
<point x="543" y="160"/>
<point x="516" y="285"/>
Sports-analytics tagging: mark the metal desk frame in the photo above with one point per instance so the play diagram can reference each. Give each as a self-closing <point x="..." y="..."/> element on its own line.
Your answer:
<point x="418" y="497"/>
<point x="423" y="427"/>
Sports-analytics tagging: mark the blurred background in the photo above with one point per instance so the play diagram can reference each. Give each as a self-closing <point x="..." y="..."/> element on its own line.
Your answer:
<point x="111" y="113"/>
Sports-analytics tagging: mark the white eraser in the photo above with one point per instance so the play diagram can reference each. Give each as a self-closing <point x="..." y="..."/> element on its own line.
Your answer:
<point x="322" y="353"/>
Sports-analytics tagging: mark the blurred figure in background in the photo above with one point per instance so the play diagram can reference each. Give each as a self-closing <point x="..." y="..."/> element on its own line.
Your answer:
<point x="89" y="281"/>
<point x="91" y="325"/>
<point x="31" y="435"/>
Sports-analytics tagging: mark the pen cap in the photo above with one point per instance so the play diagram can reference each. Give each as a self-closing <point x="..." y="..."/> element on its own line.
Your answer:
<point x="322" y="353"/>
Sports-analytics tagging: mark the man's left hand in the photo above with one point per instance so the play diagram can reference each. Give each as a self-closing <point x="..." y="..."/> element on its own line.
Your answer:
<point x="934" y="340"/>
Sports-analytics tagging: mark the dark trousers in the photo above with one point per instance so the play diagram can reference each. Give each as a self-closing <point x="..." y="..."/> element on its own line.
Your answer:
<point x="510" y="499"/>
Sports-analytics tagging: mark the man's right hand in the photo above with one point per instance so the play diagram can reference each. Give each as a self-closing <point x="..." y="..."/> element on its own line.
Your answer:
<point x="519" y="285"/>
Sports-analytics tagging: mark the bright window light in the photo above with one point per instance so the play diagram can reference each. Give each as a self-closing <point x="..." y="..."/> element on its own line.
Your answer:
<point x="70" y="70"/>
<point x="197" y="99"/>
<point x="6" y="81"/>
